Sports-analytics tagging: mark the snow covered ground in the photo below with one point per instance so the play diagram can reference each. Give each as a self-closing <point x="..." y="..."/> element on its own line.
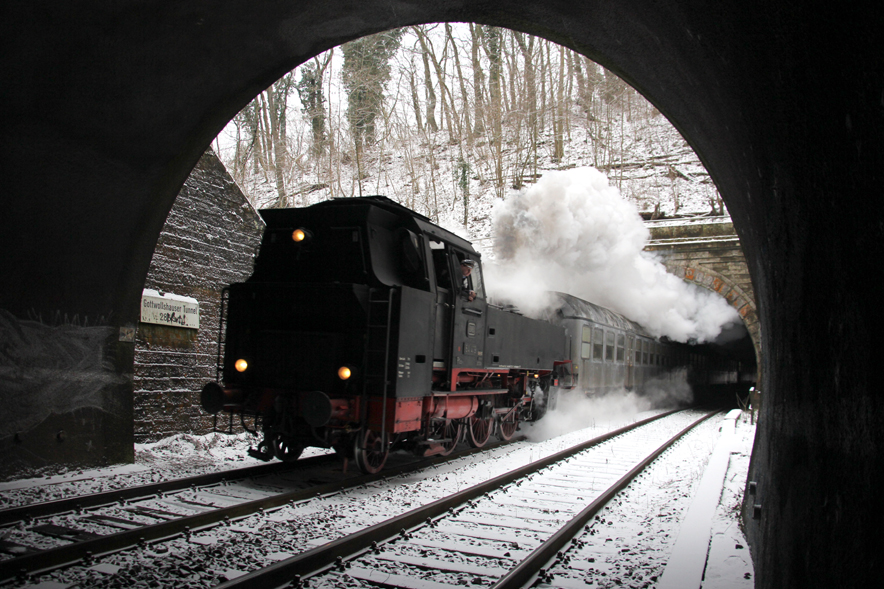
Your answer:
<point x="695" y="499"/>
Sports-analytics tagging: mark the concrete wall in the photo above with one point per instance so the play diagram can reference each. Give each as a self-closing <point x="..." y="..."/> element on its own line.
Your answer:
<point x="209" y="241"/>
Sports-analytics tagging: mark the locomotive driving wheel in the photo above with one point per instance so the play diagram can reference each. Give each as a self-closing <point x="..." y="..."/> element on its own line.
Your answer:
<point x="448" y="432"/>
<point x="506" y="429"/>
<point x="479" y="430"/>
<point x="284" y="449"/>
<point x="371" y="454"/>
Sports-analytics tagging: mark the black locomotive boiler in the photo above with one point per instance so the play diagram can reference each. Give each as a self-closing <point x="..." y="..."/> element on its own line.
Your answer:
<point x="366" y="327"/>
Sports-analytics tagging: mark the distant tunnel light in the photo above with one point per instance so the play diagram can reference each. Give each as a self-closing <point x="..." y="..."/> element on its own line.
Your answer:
<point x="344" y="372"/>
<point x="241" y="365"/>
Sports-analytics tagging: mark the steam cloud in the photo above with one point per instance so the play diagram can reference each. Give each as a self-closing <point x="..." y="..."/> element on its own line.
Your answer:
<point x="572" y="232"/>
<point x="575" y="410"/>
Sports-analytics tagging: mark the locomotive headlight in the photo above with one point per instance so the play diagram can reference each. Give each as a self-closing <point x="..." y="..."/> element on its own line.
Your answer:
<point x="345" y="372"/>
<point x="241" y="365"/>
<point x="301" y="235"/>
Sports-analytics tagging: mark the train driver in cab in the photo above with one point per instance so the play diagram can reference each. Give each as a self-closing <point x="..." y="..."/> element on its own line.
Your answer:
<point x="466" y="266"/>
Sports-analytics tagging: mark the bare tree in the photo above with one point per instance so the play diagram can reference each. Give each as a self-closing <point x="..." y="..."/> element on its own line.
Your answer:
<point x="365" y="72"/>
<point x="415" y="100"/>
<point x="527" y="49"/>
<point x="432" y="127"/>
<point x="559" y="120"/>
<point x="463" y="89"/>
<point x="477" y="34"/>
<point x="493" y="50"/>
<point x="512" y="105"/>
<point x="312" y="98"/>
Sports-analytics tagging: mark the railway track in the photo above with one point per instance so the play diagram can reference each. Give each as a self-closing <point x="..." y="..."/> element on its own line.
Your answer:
<point x="208" y="537"/>
<point x="79" y="502"/>
<point x="502" y="533"/>
<point x="44" y="536"/>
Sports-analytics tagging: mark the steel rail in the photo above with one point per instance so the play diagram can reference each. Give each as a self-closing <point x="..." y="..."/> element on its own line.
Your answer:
<point x="69" y="554"/>
<point x="60" y="506"/>
<point x="316" y="559"/>
<point x="530" y="567"/>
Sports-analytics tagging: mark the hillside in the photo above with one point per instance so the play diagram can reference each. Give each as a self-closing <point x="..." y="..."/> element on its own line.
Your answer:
<point x="575" y="114"/>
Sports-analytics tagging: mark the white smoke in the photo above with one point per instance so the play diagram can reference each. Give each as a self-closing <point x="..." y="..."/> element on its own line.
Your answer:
<point x="572" y="232"/>
<point x="575" y="410"/>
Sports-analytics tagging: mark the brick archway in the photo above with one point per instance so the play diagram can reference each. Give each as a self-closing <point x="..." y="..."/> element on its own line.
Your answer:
<point x="736" y="297"/>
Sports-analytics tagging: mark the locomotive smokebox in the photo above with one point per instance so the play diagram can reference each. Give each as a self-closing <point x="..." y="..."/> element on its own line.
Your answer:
<point x="213" y="397"/>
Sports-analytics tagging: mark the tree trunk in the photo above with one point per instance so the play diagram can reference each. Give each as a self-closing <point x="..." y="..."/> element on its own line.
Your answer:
<point x="559" y="127"/>
<point x="432" y="127"/>
<point x="447" y="99"/>
<point x="527" y="50"/>
<point x="477" y="34"/>
<point x="493" y="49"/>
<point x="415" y="100"/>
<point x="277" y="146"/>
<point x="463" y="89"/>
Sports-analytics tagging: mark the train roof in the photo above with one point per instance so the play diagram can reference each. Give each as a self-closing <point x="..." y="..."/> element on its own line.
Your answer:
<point x="573" y="308"/>
<point x="277" y="217"/>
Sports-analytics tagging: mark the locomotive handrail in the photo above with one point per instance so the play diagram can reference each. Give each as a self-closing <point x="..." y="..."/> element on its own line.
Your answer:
<point x="386" y="370"/>
<point x="390" y="294"/>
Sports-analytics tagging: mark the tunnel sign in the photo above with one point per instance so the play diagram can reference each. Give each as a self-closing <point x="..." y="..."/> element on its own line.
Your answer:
<point x="169" y="309"/>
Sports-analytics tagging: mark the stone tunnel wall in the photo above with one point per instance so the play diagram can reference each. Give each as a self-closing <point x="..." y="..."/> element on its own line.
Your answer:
<point x="209" y="241"/>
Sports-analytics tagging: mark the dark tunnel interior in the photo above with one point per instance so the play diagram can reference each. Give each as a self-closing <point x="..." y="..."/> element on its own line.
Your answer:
<point x="107" y="107"/>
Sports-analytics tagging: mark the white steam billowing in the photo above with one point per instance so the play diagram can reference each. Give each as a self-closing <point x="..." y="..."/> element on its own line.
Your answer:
<point x="573" y="233"/>
<point x="575" y="410"/>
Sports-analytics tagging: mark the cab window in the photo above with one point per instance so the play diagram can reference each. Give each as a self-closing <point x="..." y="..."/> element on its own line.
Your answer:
<point x="441" y="264"/>
<point x="469" y="271"/>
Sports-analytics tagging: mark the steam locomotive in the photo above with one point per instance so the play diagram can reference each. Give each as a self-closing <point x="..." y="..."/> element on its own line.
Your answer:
<point x="365" y="327"/>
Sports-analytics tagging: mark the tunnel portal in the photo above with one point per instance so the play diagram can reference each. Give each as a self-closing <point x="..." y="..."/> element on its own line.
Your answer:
<point x="107" y="107"/>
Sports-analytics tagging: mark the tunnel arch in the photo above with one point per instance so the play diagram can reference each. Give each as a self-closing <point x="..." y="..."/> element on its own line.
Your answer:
<point x="263" y="42"/>
<point x="108" y="106"/>
<point x="728" y="289"/>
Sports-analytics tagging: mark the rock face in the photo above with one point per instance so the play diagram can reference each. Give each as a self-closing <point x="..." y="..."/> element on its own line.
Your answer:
<point x="209" y="241"/>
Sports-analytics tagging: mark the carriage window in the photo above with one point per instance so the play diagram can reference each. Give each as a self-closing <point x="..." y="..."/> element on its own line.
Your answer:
<point x="645" y="358"/>
<point x="609" y="346"/>
<point x="621" y="342"/>
<point x="585" y="345"/>
<point x="598" y="344"/>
